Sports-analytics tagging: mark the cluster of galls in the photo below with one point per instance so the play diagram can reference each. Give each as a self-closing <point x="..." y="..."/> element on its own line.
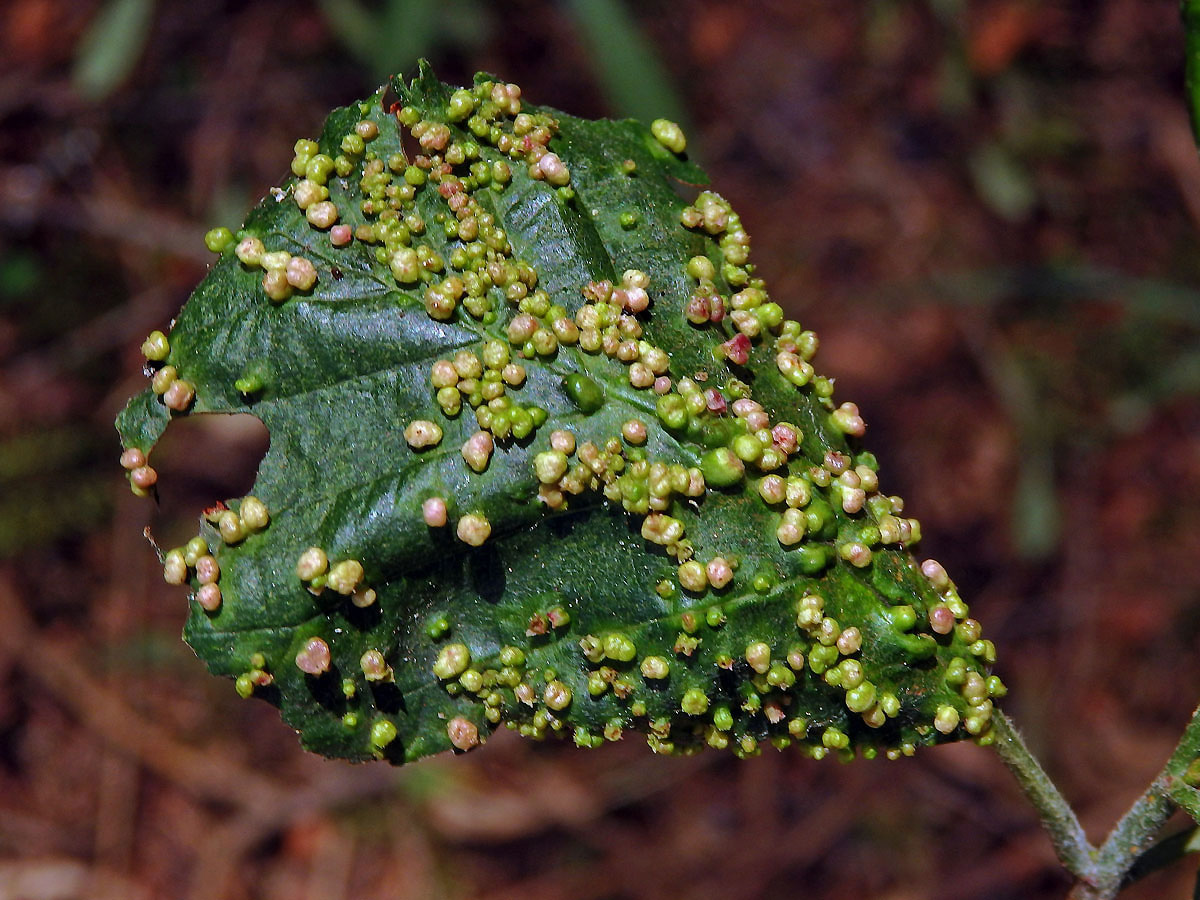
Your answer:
<point x="457" y="170"/>
<point x="504" y="684"/>
<point x="174" y="392"/>
<point x="492" y="112"/>
<point x="950" y="617"/>
<point x="315" y="659"/>
<point x="535" y="702"/>
<point x="607" y="323"/>
<point x="851" y="484"/>
<point x="194" y="558"/>
<point x="344" y="577"/>
<point x="622" y="472"/>
<point x="483" y="381"/>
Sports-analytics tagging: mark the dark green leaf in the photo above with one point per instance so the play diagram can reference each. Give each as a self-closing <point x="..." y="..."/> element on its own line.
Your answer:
<point x="574" y="614"/>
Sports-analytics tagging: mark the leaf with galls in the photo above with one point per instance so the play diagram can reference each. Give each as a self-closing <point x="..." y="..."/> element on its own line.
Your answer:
<point x="544" y="455"/>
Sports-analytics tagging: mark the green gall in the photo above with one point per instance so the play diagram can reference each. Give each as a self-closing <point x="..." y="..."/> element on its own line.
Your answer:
<point x="904" y="617"/>
<point x="669" y="134"/>
<point x="946" y="719"/>
<point x="452" y="661"/>
<point x="1191" y="775"/>
<point x="758" y="655"/>
<point x="194" y="549"/>
<point x="996" y="687"/>
<point x="250" y="382"/>
<point x="383" y="732"/>
<point x="722" y="468"/>
<point x="655" y="667"/>
<point x="584" y="392"/>
<point x="244" y="685"/>
<point x="557" y="695"/>
<point x="700" y="267"/>
<point x="471" y="681"/>
<point x="813" y="559"/>
<point x="861" y="698"/>
<point x="835" y="739"/>
<point x="474" y="529"/>
<point x="254" y="514"/>
<point x="618" y="647"/>
<point x="722" y="718"/>
<point x="780" y="676"/>
<point x="694" y="702"/>
<point x="345" y="576"/>
<point x="512" y="656"/>
<point x="156" y="347"/>
<point x="161" y="380"/>
<point x="672" y="411"/>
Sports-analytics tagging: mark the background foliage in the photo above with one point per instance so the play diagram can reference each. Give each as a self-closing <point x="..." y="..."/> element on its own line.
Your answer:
<point x="987" y="209"/>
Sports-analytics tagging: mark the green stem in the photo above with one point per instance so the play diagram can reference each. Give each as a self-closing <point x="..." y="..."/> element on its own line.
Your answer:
<point x="1074" y="850"/>
<point x="1101" y="873"/>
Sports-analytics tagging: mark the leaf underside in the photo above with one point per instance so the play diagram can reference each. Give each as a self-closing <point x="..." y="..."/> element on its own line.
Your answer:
<point x="576" y="614"/>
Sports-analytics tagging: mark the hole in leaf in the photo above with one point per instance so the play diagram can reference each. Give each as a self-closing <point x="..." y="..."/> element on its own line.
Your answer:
<point x="203" y="459"/>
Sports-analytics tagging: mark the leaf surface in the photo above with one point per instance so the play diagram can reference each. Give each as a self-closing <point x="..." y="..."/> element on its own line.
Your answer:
<point x="676" y="531"/>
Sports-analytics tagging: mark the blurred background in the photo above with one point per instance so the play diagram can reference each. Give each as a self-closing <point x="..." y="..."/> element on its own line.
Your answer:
<point x="989" y="210"/>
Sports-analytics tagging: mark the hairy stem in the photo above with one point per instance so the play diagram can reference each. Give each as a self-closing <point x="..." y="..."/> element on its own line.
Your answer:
<point x="1070" y="843"/>
<point x="1101" y="872"/>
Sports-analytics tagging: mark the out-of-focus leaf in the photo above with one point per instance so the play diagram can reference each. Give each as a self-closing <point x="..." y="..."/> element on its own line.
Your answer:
<point x="1004" y="184"/>
<point x="626" y="63"/>
<point x="111" y="46"/>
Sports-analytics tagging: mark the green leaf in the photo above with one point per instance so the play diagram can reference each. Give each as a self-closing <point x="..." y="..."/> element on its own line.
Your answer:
<point x="644" y="549"/>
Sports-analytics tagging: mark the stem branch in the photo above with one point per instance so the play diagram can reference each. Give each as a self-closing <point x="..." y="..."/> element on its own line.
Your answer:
<point x="1071" y="845"/>
<point x="1100" y="873"/>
